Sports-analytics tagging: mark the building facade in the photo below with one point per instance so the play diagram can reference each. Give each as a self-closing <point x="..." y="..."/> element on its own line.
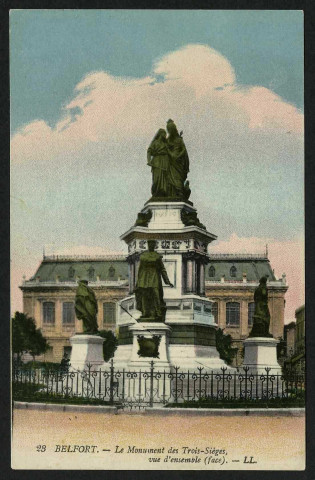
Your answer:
<point x="231" y="280"/>
<point x="296" y="360"/>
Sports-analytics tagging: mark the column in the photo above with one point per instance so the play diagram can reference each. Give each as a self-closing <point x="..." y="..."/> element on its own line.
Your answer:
<point x="136" y="268"/>
<point x="190" y="275"/>
<point x="58" y="316"/>
<point x="132" y="277"/>
<point x="244" y="318"/>
<point x="100" y="314"/>
<point x="221" y="314"/>
<point x="38" y="313"/>
<point x="202" y="279"/>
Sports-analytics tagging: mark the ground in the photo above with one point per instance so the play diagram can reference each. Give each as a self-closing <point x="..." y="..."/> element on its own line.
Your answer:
<point x="275" y="442"/>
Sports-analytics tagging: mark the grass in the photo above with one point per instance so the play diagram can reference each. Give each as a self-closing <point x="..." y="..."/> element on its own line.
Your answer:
<point x="295" y="401"/>
<point x="32" y="393"/>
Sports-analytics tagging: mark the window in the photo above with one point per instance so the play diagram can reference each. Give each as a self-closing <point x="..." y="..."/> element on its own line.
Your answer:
<point x="215" y="311"/>
<point x="111" y="272"/>
<point x="232" y="314"/>
<point x="71" y="273"/>
<point x="233" y="271"/>
<point x="68" y="314"/>
<point x="49" y="313"/>
<point x="91" y="272"/>
<point x="211" y="271"/>
<point x="251" y="309"/>
<point x="109" y="312"/>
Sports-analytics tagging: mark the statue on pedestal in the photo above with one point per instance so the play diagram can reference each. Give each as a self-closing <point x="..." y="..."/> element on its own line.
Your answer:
<point x="149" y="289"/>
<point x="261" y="321"/>
<point x="169" y="161"/>
<point x="158" y="159"/>
<point x="86" y="307"/>
<point x="179" y="162"/>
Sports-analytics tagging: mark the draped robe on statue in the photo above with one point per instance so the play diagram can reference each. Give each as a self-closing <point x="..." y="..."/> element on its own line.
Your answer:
<point x="149" y="289"/>
<point x="160" y="166"/>
<point x="178" y="168"/>
<point x="86" y="307"/>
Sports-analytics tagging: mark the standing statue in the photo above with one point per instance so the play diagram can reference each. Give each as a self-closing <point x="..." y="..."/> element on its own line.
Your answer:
<point x="261" y="321"/>
<point x="86" y="307"/>
<point x="158" y="159"/>
<point x="179" y="162"/>
<point x="149" y="289"/>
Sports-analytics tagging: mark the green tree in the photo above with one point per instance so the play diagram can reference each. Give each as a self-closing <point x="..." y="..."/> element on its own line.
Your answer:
<point x="224" y="346"/>
<point x="26" y="337"/>
<point x="110" y="344"/>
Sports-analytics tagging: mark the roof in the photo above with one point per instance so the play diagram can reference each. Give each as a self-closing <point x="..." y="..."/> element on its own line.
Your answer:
<point x="69" y="268"/>
<point x="110" y="267"/>
<point x="255" y="267"/>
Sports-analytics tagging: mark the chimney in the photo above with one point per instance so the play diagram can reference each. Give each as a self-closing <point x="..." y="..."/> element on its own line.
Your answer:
<point x="244" y="277"/>
<point x="223" y="279"/>
<point x="37" y="279"/>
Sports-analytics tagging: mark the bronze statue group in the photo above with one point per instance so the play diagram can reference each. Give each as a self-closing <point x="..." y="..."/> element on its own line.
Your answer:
<point x="168" y="158"/>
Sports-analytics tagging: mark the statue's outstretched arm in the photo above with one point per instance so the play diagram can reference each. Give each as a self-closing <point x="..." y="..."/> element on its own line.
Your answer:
<point x="164" y="273"/>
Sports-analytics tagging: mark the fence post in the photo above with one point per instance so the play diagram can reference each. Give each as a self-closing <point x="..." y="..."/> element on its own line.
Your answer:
<point x="111" y="385"/>
<point x="176" y="370"/>
<point x="151" y="383"/>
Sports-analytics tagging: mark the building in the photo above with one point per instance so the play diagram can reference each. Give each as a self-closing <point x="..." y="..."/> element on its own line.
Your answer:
<point x="289" y="338"/>
<point x="231" y="280"/>
<point x="296" y="360"/>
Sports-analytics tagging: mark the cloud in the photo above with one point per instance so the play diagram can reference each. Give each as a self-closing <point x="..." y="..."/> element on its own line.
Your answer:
<point x="199" y="88"/>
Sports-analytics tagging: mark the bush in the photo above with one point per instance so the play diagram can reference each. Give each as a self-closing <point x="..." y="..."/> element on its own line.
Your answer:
<point x="110" y="344"/>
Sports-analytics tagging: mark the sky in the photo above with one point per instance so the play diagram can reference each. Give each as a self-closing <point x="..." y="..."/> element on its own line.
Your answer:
<point x="90" y="88"/>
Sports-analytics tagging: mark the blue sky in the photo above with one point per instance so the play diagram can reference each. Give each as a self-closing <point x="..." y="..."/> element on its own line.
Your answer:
<point x="89" y="89"/>
<point x="52" y="50"/>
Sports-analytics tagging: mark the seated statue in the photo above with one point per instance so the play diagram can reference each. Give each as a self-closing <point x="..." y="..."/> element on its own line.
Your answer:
<point x="261" y="321"/>
<point x="86" y="307"/>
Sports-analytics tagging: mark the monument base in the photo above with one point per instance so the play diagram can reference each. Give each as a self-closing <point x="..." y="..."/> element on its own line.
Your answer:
<point x="148" y="331"/>
<point x="193" y="357"/>
<point x="87" y="350"/>
<point x="261" y="353"/>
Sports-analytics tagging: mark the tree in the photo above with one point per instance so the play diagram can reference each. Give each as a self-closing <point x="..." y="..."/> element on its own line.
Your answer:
<point x="110" y="344"/>
<point x="26" y="337"/>
<point x="224" y="346"/>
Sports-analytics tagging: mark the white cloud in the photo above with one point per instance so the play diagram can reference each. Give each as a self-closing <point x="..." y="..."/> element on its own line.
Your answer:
<point x="198" y="89"/>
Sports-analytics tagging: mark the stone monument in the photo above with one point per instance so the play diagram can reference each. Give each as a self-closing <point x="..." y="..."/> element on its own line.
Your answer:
<point x="180" y="319"/>
<point x="260" y="347"/>
<point x="87" y="348"/>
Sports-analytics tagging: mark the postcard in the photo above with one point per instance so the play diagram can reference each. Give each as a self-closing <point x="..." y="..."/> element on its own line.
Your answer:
<point x="157" y="240"/>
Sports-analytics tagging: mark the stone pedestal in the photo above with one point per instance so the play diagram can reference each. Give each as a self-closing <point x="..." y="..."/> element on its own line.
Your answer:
<point x="261" y="353"/>
<point x="86" y="350"/>
<point x="148" y="330"/>
<point x="188" y="334"/>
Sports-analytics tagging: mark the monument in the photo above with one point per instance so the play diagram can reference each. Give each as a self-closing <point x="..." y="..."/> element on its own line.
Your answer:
<point x="260" y="347"/>
<point x="167" y="317"/>
<point x="87" y="348"/>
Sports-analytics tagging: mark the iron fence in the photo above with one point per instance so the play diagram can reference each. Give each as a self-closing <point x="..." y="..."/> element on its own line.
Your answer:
<point x="151" y="387"/>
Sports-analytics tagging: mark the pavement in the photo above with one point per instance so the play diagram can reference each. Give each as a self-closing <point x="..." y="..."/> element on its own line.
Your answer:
<point x="91" y="440"/>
